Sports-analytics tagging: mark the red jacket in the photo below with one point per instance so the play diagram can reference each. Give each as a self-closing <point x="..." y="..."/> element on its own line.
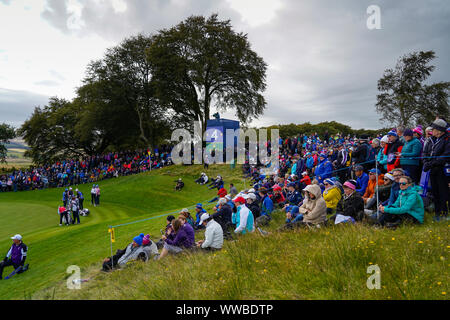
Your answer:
<point x="306" y="180"/>
<point x="222" y="192"/>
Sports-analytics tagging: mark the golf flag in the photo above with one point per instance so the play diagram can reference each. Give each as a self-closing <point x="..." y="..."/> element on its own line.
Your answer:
<point x="113" y="236"/>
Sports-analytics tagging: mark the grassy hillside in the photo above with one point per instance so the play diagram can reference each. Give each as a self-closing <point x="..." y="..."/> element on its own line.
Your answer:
<point x="53" y="248"/>
<point x="329" y="263"/>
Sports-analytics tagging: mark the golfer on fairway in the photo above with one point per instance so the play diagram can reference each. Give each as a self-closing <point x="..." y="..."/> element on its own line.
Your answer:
<point x="16" y="255"/>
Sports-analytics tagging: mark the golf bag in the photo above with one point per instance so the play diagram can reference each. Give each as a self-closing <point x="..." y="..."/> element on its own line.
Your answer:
<point x="69" y="219"/>
<point x="84" y="212"/>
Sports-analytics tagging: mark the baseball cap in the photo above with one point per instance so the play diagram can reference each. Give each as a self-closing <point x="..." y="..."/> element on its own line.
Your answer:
<point x="204" y="217"/>
<point x="17" y="237"/>
<point x="239" y="199"/>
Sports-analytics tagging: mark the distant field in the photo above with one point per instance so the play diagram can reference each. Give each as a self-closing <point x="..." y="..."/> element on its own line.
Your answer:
<point x="15" y="157"/>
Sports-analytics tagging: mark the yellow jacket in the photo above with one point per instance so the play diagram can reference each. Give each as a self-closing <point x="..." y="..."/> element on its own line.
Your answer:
<point x="332" y="197"/>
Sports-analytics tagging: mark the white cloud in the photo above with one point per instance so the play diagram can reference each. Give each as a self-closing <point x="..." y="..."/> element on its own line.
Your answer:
<point x="256" y="12"/>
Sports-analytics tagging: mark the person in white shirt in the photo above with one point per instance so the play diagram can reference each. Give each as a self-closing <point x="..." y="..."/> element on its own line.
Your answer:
<point x="93" y="195"/>
<point x="213" y="234"/>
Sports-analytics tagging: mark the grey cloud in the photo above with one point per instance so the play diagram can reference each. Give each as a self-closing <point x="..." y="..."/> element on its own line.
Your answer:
<point x="329" y="62"/>
<point x="327" y="48"/>
<point x="17" y="106"/>
<point x="56" y="14"/>
<point x="140" y="16"/>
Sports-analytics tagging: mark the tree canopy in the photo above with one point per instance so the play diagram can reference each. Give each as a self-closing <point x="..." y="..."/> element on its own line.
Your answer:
<point x="202" y="62"/>
<point x="404" y="97"/>
<point x="7" y="132"/>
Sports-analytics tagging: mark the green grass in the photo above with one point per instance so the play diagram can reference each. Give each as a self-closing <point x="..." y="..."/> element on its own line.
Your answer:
<point x="330" y="263"/>
<point x="52" y="248"/>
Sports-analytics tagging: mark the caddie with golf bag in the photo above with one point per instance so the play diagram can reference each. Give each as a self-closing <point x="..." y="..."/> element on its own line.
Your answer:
<point x="15" y="257"/>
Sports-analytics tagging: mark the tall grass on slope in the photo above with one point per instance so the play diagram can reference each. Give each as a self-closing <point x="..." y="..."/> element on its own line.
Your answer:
<point x="327" y="263"/>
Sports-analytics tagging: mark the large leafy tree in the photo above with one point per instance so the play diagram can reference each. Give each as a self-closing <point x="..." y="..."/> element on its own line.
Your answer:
<point x="50" y="132"/>
<point x="203" y="62"/>
<point x="120" y="84"/>
<point x="6" y="133"/>
<point x="404" y="97"/>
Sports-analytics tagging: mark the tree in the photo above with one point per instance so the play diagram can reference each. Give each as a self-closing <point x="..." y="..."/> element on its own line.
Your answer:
<point x="120" y="83"/>
<point x="50" y="132"/>
<point x="6" y="133"/>
<point x="202" y="62"/>
<point x="404" y="99"/>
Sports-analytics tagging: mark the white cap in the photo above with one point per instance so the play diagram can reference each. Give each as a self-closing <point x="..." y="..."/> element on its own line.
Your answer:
<point x="385" y="139"/>
<point x="251" y="196"/>
<point x="252" y="190"/>
<point x="304" y="173"/>
<point x="17" y="237"/>
<point x="204" y="217"/>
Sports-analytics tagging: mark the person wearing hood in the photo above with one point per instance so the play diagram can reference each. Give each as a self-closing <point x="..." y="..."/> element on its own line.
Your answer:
<point x="410" y="154"/>
<point x="408" y="207"/>
<point x="331" y="195"/>
<point x="324" y="169"/>
<point x="436" y="162"/>
<point x="314" y="207"/>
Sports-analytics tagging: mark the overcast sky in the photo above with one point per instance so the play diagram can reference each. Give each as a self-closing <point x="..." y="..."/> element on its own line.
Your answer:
<point x="324" y="62"/>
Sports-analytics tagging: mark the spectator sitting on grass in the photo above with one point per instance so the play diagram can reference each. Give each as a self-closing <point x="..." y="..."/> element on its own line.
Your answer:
<point x="243" y="217"/>
<point x="213" y="234"/>
<point x="407" y="207"/>
<point x="184" y="239"/>
<point x="168" y="234"/>
<point x="314" y="207"/>
<point x="266" y="208"/>
<point x="332" y="194"/>
<point x="187" y="215"/>
<point x="351" y="205"/>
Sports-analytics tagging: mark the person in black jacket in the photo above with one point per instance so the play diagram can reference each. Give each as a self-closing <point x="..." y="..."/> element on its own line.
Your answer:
<point x="361" y="154"/>
<point x="436" y="157"/>
<point x="252" y="204"/>
<point x="16" y="255"/>
<point x="223" y="216"/>
<point x="351" y="204"/>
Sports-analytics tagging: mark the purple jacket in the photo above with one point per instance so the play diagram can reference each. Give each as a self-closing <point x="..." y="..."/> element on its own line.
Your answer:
<point x="185" y="237"/>
<point x="18" y="253"/>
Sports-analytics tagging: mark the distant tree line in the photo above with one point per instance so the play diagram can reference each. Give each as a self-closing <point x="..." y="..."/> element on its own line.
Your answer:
<point x="332" y="127"/>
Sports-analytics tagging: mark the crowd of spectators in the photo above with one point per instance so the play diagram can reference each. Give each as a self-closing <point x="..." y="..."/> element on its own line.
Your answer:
<point x="89" y="169"/>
